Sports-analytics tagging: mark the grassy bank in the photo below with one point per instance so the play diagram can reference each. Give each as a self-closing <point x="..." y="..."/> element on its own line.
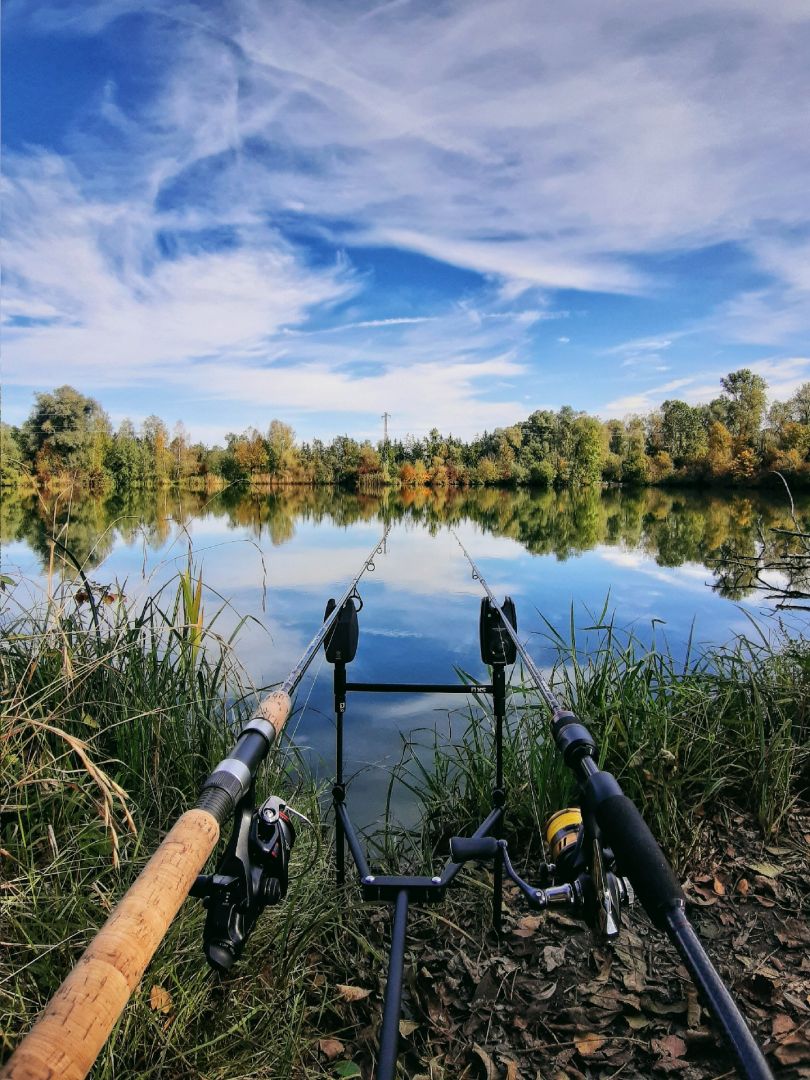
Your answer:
<point x="113" y="715"/>
<point x="688" y="739"/>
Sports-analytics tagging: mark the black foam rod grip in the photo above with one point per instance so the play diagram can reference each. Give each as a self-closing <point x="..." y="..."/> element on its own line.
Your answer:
<point x="638" y="854"/>
<point x="465" y="848"/>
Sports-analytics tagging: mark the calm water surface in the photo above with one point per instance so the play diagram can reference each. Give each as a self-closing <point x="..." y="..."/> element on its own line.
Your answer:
<point x="278" y="557"/>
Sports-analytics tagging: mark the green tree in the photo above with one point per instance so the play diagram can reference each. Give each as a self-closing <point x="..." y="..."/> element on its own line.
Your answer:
<point x="718" y="455"/>
<point x="636" y="464"/>
<point x="746" y="397"/>
<point x="184" y="460"/>
<point x="65" y="433"/>
<point x="799" y="405"/>
<point x="683" y="431"/>
<point x="249" y="453"/>
<point x="487" y="471"/>
<point x="281" y="449"/>
<point x="586" y="455"/>
<point x="156" y="437"/>
<point x="12" y="464"/>
<point x="125" y="457"/>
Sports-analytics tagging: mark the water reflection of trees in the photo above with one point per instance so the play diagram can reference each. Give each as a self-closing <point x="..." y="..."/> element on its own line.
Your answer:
<point x="672" y="527"/>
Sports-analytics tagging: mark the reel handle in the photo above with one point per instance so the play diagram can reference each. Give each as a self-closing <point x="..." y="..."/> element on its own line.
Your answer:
<point x="467" y="848"/>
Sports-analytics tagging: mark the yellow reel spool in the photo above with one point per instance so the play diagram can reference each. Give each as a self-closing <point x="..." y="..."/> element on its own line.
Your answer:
<point x="562" y="830"/>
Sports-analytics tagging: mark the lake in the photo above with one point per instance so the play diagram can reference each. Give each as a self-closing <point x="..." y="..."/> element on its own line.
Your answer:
<point x="651" y="555"/>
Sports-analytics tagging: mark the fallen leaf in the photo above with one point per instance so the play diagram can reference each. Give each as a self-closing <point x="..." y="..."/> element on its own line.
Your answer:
<point x="160" y="1000"/>
<point x="637" y="1023"/>
<point x="702" y="895"/>
<point x="672" y="1045"/>
<point x="793" y="1049"/>
<point x="719" y="887"/>
<point x="743" y="887"/>
<point x="662" y="1008"/>
<point x="330" y="1048"/>
<point x="511" y="1069"/>
<point x="352" y="993"/>
<point x="527" y="926"/>
<point x="347" y="1069"/>
<point x="491" y="1071"/>
<point x="796" y="934"/>
<point x="634" y="979"/>
<point x="767" y="870"/>
<point x="589" y="1044"/>
<point x="553" y="956"/>
<point x="781" y="1024"/>
<point x="407" y="1027"/>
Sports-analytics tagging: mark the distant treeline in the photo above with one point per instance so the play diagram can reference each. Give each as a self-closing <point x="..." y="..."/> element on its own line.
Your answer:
<point x="68" y="440"/>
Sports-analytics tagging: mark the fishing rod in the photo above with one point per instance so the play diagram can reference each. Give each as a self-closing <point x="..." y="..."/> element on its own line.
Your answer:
<point x="71" y="1031"/>
<point x="636" y="851"/>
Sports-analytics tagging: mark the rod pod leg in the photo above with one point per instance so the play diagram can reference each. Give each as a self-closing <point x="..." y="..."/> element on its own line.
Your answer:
<point x="498" y="793"/>
<point x="339" y="790"/>
<point x="392" y="1005"/>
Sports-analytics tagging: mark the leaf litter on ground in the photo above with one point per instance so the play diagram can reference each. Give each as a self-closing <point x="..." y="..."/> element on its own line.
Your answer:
<point x="544" y="1001"/>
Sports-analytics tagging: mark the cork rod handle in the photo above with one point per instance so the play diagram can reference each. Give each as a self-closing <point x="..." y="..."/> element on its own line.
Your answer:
<point x="275" y="709"/>
<point x="68" y="1036"/>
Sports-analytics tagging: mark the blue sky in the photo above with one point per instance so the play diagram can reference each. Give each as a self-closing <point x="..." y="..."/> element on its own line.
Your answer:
<point x="454" y="212"/>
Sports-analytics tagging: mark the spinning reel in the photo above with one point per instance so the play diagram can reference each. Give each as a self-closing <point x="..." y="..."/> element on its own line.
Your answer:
<point x="582" y="878"/>
<point x="253" y="874"/>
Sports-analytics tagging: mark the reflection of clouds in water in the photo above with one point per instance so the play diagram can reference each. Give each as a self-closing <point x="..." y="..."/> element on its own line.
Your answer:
<point x="687" y="576"/>
<point x="415" y="562"/>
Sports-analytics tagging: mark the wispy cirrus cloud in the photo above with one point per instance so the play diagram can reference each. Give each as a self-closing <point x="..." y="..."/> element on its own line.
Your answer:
<point x="215" y="323"/>
<point x="213" y="221"/>
<point x="784" y="376"/>
<point x="87" y="286"/>
<point x="644" y="400"/>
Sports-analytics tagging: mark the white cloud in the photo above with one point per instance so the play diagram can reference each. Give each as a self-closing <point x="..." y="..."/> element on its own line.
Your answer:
<point x="108" y="310"/>
<point x="776" y="313"/>
<point x="544" y="147"/>
<point x="524" y="143"/>
<point x="645" y="400"/>
<point x="784" y="376"/>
